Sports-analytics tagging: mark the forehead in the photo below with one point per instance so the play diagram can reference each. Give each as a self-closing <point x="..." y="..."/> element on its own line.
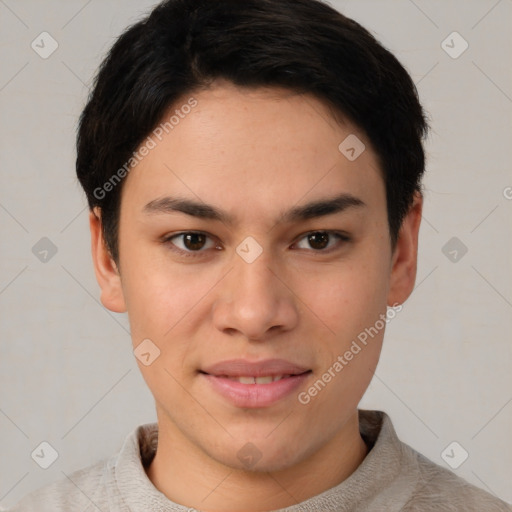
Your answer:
<point x="263" y="147"/>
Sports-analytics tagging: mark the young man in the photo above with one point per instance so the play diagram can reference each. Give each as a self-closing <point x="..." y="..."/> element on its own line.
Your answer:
<point x="253" y="171"/>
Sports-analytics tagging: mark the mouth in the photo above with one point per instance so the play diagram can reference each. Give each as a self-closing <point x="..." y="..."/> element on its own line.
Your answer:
<point x="248" y="384"/>
<point x="248" y="379"/>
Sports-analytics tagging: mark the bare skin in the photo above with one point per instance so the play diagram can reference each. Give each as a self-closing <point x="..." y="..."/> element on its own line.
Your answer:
<point x="255" y="154"/>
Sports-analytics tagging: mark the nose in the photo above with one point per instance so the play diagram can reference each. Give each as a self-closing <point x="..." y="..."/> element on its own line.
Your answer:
<point x="254" y="301"/>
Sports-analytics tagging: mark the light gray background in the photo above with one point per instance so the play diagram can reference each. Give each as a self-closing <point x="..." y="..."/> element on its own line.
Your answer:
<point x="67" y="372"/>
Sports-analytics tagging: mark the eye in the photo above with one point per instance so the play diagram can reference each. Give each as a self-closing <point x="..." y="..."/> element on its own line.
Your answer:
<point x="189" y="242"/>
<point x="320" y="241"/>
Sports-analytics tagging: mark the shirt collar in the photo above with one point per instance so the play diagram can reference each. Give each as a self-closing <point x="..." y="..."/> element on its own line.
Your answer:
<point x="379" y="468"/>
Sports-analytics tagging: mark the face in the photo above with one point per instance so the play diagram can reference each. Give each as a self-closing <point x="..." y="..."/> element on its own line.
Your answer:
<point x="250" y="246"/>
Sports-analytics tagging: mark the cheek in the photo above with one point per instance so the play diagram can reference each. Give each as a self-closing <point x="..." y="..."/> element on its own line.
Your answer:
<point x="158" y="296"/>
<point x="160" y="305"/>
<point x="150" y="302"/>
<point x="164" y="305"/>
<point x="350" y="297"/>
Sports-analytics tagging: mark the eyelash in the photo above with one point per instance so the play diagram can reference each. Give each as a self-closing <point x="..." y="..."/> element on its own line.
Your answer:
<point x="195" y="254"/>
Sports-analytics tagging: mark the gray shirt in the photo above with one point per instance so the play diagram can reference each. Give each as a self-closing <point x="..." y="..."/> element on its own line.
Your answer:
<point x="392" y="477"/>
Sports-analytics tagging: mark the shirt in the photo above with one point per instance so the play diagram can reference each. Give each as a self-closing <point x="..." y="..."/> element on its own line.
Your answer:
<point x="392" y="477"/>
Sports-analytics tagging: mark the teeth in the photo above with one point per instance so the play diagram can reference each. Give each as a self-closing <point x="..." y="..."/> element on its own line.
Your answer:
<point x="263" y="380"/>
<point x="258" y="380"/>
<point x="246" y="380"/>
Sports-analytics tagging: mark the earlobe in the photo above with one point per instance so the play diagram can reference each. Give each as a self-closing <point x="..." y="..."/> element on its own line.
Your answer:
<point x="107" y="273"/>
<point x="405" y="256"/>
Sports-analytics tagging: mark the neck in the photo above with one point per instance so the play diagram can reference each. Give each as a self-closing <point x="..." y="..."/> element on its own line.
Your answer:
<point x="188" y="476"/>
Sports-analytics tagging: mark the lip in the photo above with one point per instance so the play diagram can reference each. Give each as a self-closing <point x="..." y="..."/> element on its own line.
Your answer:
<point x="242" y="367"/>
<point x="254" y="396"/>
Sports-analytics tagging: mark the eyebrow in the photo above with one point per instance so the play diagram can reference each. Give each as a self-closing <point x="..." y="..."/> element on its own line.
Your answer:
<point x="311" y="210"/>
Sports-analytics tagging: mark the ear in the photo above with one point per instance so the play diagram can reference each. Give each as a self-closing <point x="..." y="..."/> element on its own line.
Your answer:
<point x="106" y="270"/>
<point x="405" y="256"/>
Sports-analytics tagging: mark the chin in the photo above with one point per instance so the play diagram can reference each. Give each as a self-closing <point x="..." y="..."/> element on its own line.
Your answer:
<point x="259" y="455"/>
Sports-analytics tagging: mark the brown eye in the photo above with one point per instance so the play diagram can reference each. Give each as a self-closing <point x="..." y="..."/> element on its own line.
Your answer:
<point x="194" y="241"/>
<point x="318" y="240"/>
<point x="322" y="241"/>
<point x="189" y="243"/>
